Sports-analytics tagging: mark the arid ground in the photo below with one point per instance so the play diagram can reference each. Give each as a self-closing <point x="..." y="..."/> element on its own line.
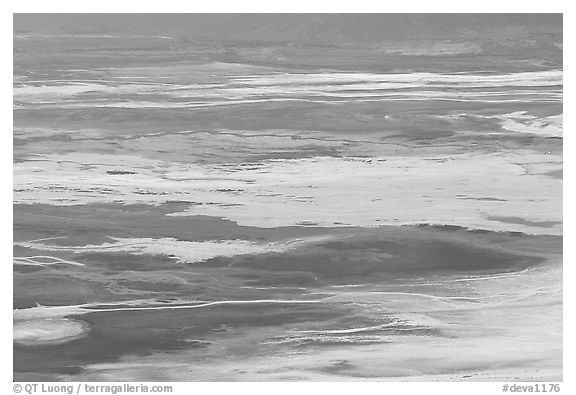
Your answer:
<point x="287" y="197"/>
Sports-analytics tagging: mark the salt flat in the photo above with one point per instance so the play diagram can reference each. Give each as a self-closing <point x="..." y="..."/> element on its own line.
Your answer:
<point x="299" y="201"/>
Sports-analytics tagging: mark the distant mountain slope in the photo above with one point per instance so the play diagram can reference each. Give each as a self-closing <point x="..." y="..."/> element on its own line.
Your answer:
<point x="297" y="28"/>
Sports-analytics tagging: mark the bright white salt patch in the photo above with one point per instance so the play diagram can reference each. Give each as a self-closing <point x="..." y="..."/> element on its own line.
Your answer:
<point x="47" y="331"/>
<point x="461" y="189"/>
<point x="183" y="251"/>
<point x="520" y="121"/>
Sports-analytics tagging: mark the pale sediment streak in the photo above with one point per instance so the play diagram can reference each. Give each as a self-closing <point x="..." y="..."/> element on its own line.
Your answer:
<point x="396" y="325"/>
<point x="314" y="87"/>
<point x="176" y="105"/>
<point x="40" y="260"/>
<point x="182" y="251"/>
<point x="550" y="77"/>
<point x="52" y="312"/>
<point x="418" y="295"/>
<point x="209" y="304"/>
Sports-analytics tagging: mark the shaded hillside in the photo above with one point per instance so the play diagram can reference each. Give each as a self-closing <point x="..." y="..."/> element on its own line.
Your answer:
<point x="298" y="28"/>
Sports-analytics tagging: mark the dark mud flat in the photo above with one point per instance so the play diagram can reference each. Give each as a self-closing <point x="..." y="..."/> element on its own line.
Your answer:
<point x="321" y="198"/>
<point x="368" y="288"/>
